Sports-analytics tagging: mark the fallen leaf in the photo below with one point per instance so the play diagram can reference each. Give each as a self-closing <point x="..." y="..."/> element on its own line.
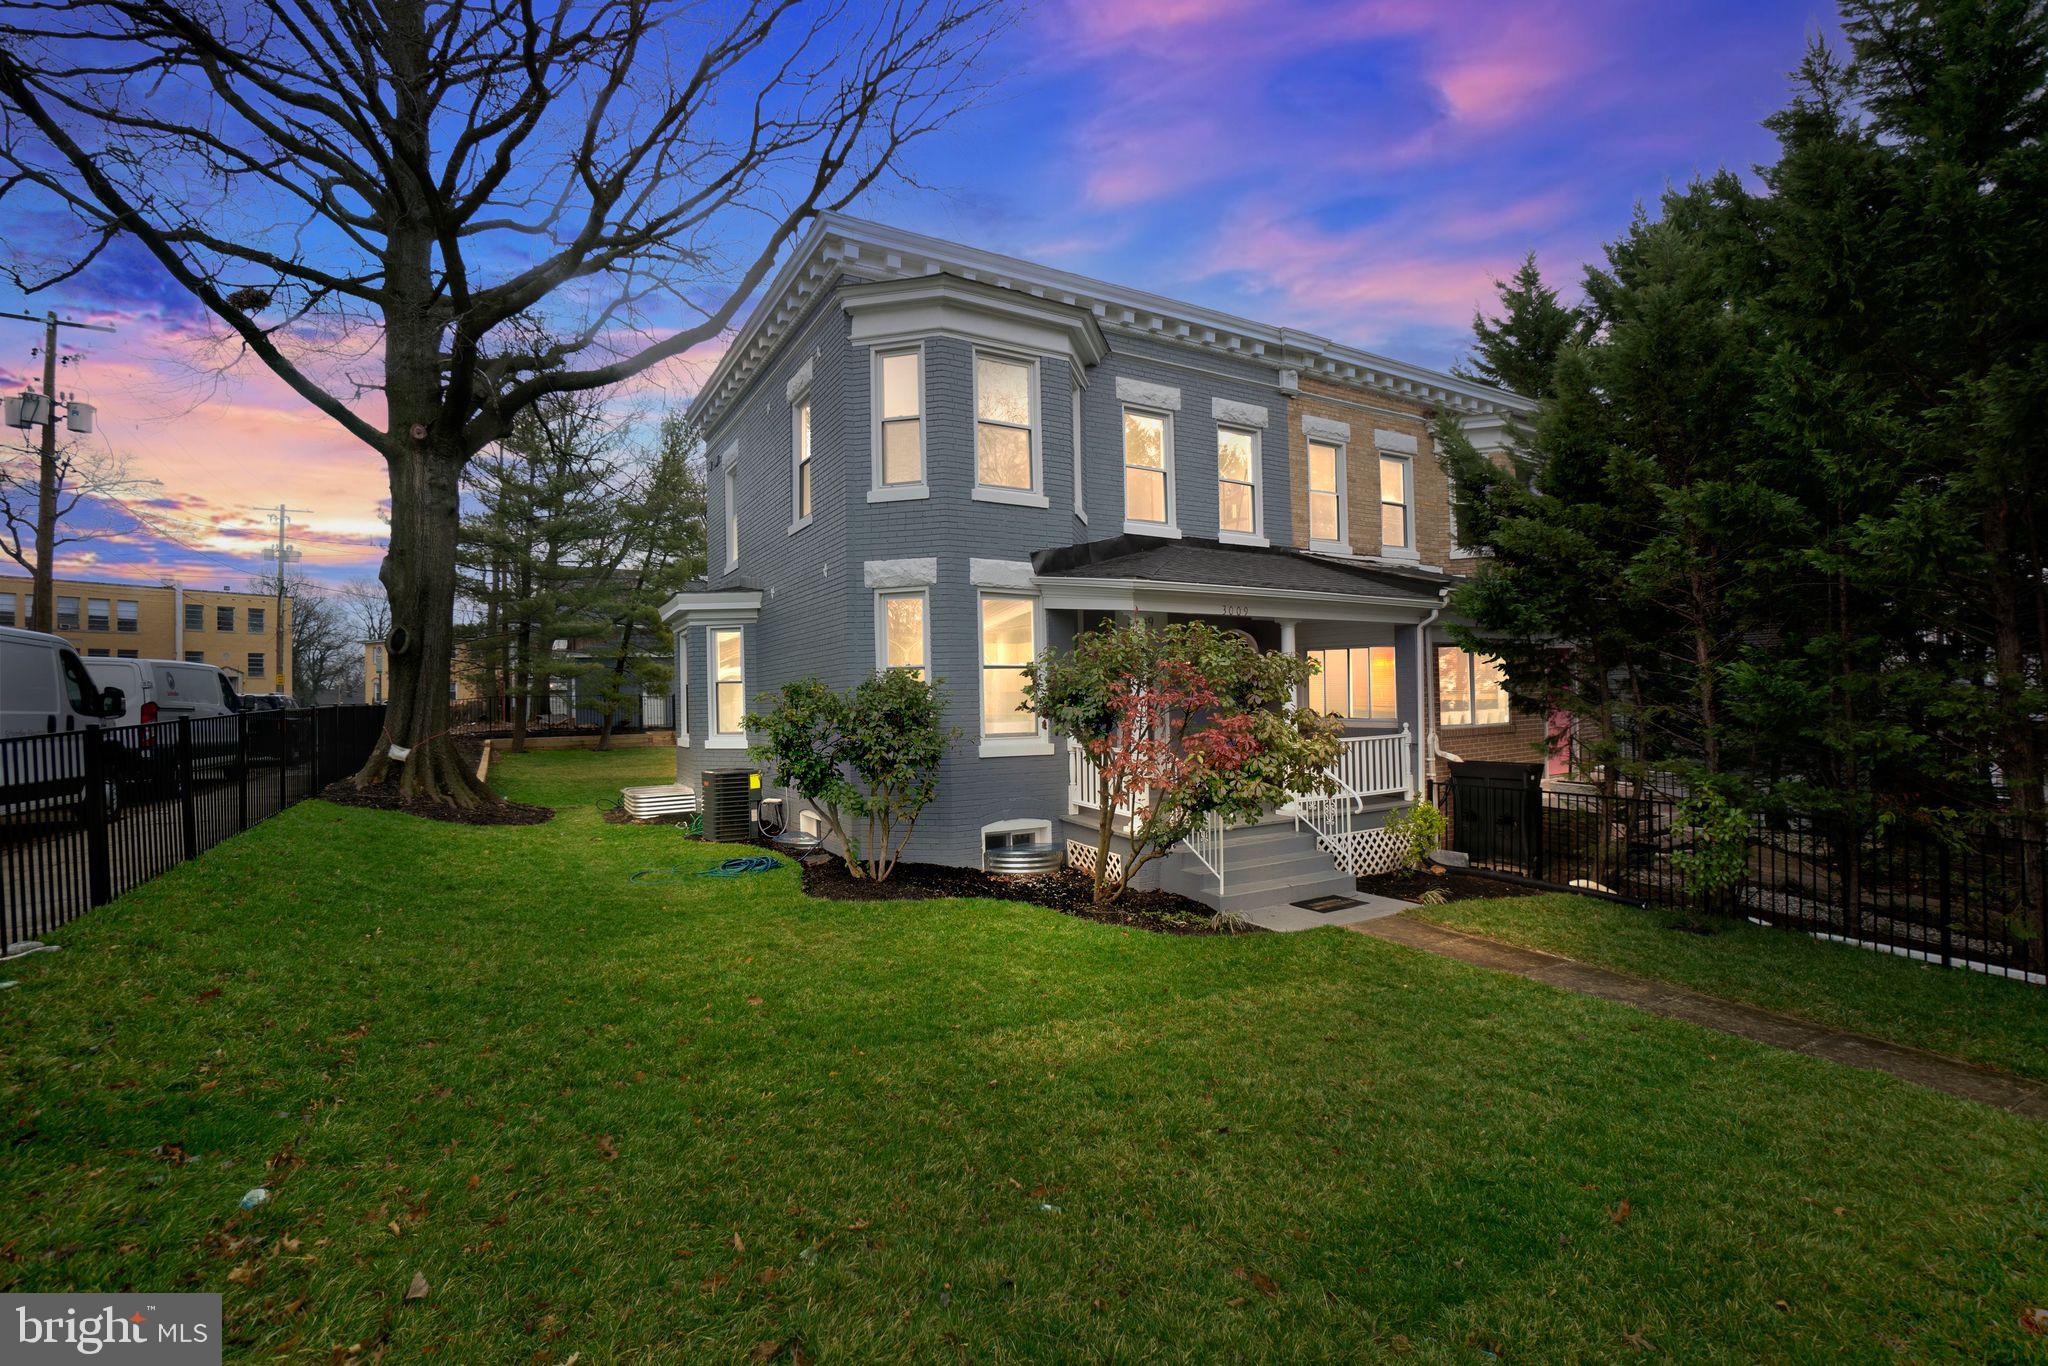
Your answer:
<point x="2035" y="1320"/>
<point x="605" y="1147"/>
<point x="1260" y="1281"/>
<point x="418" y="1289"/>
<point x="475" y="1181"/>
<point x="765" y="1351"/>
<point x="754" y="1001"/>
<point x="737" y="1245"/>
<point x="1618" y="1213"/>
<point x="206" y="995"/>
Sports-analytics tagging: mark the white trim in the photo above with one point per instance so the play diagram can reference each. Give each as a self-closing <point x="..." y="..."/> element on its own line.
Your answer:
<point x="731" y="496"/>
<point x="1005" y="575"/>
<point x="718" y="741"/>
<point x="1410" y="551"/>
<point x="1239" y="538"/>
<point x="919" y="573"/>
<point x="798" y="382"/>
<point x="682" y="640"/>
<point x="1325" y="429"/>
<point x="1340" y="476"/>
<point x="1039" y="740"/>
<point x="802" y="453"/>
<point x="1069" y="593"/>
<point x="742" y="605"/>
<point x="1080" y="470"/>
<point x="1002" y="493"/>
<point x="924" y="597"/>
<point x="1257" y="481"/>
<point x="1233" y="413"/>
<point x="1145" y="393"/>
<point x="728" y="455"/>
<point x="892" y="313"/>
<point x="879" y="491"/>
<point x="1170" y="528"/>
<point x="1398" y="443"/>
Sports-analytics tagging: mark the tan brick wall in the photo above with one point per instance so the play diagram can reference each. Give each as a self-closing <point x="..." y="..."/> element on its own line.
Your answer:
<point x="156" y="631"/>
<point x="1366" y="411"/>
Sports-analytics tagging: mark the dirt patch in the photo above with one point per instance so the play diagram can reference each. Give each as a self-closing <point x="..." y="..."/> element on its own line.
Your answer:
<point x="1410" y="884"/>
<point x="1066" y="891"/>
<point x="385" y="797"/>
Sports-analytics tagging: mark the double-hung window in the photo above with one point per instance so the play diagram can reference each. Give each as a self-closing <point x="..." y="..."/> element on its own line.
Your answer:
<point x="1358" y="683"/>
<point x="1237" y="481"/>
<point x="899" y="422"/>
<point x="732" y="512"/>
<point x="903" y="630"/>
<point x="1148" y="468"/>
<point x="125" y="617"/>
<point x="223" y="618"/>
<point x="800" y="462"/>
<point x="728" y="683"/>
<point x="98" y="614"/>
<point x="1326" y="492"/>
<point x="195" y="616"/>
<point x="1005" y="428"/>
<point x="1395" y="529"/>
<point x="1009" y="642"/>
<point x="1469" y="689"/>
<point x="67" y="614"/>
<point x="6" y="609"/>
<point x="255" y="666"/>
<point x="256" y="619"/>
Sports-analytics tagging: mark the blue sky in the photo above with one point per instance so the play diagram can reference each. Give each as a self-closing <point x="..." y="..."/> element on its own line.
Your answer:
<point x="1363" y="170"/>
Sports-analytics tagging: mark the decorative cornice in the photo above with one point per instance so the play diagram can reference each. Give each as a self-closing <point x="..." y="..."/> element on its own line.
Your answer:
<point x="1146" y="394"/>
<point x="838" y="247"/>
<point x="1325" y="428"/>
<point x="1236" y="413"/>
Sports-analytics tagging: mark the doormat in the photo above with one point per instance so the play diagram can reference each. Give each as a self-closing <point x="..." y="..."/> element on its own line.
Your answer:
<point x="1324" y="905"/>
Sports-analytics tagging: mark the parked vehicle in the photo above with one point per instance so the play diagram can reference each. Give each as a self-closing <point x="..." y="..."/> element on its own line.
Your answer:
<point x="165" y="689"/>
<point x="45" y="690"/>
<point x="268" y="701"/>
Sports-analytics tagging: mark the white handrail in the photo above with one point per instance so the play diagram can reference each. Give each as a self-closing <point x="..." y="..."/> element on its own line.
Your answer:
<point x="1374" y="765"/>
<point x="1207" y="845"/>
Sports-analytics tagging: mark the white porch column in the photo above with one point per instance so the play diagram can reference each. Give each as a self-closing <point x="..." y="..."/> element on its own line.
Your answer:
<point x="1287" y="648"/>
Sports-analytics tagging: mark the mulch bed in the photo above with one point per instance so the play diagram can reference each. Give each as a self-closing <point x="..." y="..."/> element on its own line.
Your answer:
<point x="1067" y="891"/>
<point x="1409" y="885"/>
<point x="385" y="797"/>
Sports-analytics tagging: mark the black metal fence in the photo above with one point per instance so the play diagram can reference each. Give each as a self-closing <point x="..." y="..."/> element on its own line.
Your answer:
<point x="86" y="815"/>
<point x="1977" y="898"/>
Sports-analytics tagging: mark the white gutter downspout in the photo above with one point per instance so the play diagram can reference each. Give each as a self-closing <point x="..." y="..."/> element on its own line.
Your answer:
<point x="1428" y="727"/>
<point x="178" y="620"/>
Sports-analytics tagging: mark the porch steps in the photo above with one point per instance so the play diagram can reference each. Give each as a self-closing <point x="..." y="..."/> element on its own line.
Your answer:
<point x="1266" y="864"/>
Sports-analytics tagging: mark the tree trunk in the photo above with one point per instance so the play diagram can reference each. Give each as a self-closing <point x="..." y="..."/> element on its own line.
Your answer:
<point x="419" y="579"/>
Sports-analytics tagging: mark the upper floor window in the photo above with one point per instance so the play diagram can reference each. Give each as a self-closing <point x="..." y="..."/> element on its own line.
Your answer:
<point x="899" y="417"/>
<point x="67" y="614"/>
<point x="99" y="614"/>
<point x="195" y="617"/>
<point x="1469" y="688"/>
<point x="223" y="618"/>
<point x="732" y="512"/>
<point x="125" y="617"/>
<point x="903" y="631"/>
<point x="256" y="619"/>
<point x="1148" y="467"/>
<point x="1004" y="424"/>
<point x="1080" y="475"/>
<point x="1237" y="480"/>
<point x="255" y="665"/>
<point x="800" y="463"/>
<point x="1394" y="504"/>
<point x="1325" y="491"/>
<point x="728" y="682"/>
<point x="1358" y="683"/>
<point x="6" y="609"/>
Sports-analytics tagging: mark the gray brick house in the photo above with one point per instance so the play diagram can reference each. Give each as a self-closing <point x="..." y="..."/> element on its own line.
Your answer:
<point x="927" y="455"/>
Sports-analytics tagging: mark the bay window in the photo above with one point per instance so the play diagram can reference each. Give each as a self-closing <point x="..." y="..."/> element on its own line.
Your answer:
<point x="1469" y="689"/>
<point x="728" y="683"/>
<point x="1005" y="427"/>
<point x="902" y="631"/>
<point x="899" y="419"/>
<point x="1009" y="642"/>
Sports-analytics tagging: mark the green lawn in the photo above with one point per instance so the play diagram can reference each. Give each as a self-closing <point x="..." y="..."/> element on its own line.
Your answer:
<point x="1967" y="1014"/>
<point x="692" y="1117"/>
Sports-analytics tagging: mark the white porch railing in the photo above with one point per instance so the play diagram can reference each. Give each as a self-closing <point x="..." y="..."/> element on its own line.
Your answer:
<point x="1376" y="765"/>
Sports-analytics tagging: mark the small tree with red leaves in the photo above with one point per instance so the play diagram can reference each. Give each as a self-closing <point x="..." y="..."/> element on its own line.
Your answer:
<point x="1181" y="722"/>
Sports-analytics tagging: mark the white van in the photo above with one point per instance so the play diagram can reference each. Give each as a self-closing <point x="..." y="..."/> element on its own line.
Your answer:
<point x="164" y="689"/>
<point x="45" y="690"/>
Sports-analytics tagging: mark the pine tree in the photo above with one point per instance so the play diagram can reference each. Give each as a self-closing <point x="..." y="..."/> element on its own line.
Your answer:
<point x="1519" y="352"/>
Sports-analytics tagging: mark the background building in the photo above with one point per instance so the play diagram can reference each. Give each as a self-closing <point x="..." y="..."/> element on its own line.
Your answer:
<point x="236" y="631"/>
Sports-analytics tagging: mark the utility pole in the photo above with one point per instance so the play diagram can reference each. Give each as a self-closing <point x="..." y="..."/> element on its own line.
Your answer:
<point x="43" y="610"/>
<point x="284" y="554"/>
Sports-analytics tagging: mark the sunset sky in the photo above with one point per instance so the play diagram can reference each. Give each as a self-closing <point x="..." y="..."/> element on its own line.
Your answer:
<point x="1361" y="170"/>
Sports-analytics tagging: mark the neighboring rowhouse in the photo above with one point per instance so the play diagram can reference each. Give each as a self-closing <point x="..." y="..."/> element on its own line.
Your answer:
<point x="236" y="631"/>
<point x="924" y="455"/>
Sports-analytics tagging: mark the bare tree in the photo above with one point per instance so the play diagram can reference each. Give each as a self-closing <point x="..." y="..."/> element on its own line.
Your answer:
<point x="34" y="527"/>
<point x="426" y="186"/>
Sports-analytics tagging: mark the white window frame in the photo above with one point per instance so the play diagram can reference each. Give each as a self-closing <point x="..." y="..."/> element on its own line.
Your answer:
<point x="714" y="737"/>
<point x="882" y="597"/>
<point x="1350" y="653"/>
<point x="1004" y="746"/>
<point x="1407" y="506"/>
<point x="878" y="490"/>
<point x="1341" y="473"/>
<point x="682" y="643"/>
<point x="1471" y="661"/>
<point x="1020" y="826"/>
<point x="803" y="454"/>
<point x="1171" y="526"/>
<point x="1257" y="535"/>
<point x="1080" y="470"/>
<point x="809" y="822"/>
<point x="1034" y="496"/>
<point x="732" y="512"/>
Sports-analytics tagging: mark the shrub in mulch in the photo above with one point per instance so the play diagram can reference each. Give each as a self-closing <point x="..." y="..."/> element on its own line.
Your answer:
<point x="1408" y="884"/>
<point x="1068" y="891"/>
<point x="385" y="797"/>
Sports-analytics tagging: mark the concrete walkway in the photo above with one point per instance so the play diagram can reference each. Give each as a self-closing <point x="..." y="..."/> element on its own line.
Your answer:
<point x="1931" y="1070"/>
<point x="1284" y="917"/>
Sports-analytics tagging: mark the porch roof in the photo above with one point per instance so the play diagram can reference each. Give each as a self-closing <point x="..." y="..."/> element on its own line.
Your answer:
<point x="1197" y="563"/>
